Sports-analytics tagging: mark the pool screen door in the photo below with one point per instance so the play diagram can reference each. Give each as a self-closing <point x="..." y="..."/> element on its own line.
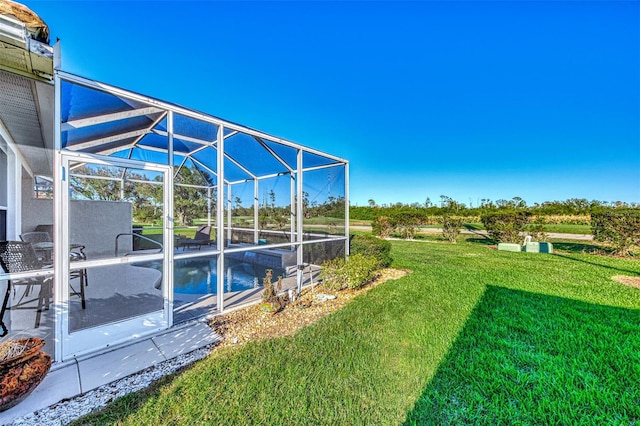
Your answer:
<point x="116" y="228"/>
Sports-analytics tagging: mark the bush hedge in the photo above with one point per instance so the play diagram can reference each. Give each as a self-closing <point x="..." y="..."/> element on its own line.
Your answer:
<point x="619" y="228"/>
<point x="352" y="272"/>
<point x="381" y="227"/>
<point x="451" y="227"/>
<point x="372" y="246"/>
<point x="505" y="226"/>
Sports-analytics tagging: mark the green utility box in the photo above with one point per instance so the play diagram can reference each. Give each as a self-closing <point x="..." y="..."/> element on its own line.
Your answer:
<point x="509" y="247"/>
<point x="537" y="247"/>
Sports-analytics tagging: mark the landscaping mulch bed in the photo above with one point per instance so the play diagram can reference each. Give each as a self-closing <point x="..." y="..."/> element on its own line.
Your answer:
<point x="251" y="323"/>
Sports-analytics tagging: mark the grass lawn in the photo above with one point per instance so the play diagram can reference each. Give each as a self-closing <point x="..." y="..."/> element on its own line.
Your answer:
<point x="472" y="336"/>
<point x="562" y="228"/>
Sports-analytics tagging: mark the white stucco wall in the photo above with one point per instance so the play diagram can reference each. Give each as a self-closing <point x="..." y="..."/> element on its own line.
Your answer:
<point x="35" y="211"/>
<point x="95" y="224"/>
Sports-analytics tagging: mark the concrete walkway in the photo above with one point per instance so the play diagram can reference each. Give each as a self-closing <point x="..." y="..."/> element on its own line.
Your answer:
<point x="75" y="377"/>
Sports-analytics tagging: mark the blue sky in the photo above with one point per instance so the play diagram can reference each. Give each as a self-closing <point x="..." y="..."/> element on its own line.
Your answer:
<point x="471" y="100"/>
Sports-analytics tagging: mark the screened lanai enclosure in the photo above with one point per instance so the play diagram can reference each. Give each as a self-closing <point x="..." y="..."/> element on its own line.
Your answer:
<point x="130" y="215"/>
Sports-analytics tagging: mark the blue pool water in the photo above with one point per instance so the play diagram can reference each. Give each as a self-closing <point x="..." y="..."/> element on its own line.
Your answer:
<point x="198" y="276"/>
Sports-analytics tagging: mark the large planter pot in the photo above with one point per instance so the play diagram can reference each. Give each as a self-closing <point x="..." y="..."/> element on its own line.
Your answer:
<point x="24" y="349"/>
<point x="21" y="374"/>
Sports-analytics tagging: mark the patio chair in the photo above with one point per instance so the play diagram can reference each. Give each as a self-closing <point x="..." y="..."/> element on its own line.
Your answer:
<point x="43" y="245"/>
<point x="37" y="237"/>
<point x="45" y="228"/>
<point x="202" y="238"/>
<point x="20" y="256"/>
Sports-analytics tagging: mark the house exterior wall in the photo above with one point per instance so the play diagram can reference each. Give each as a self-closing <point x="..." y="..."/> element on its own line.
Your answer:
<point x="11" y="179"/>
<point x="3" y="178"/>
<point x="95" y="224"/>
<point x="3" y="195"/>
<point x="35" y="211"/>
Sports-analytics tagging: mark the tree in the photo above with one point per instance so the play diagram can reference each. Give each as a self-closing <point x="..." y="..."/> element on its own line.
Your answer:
<point x="190" y="202"/>
<point x="146" y="198"/>
<point x="106" y="185"/>
<point x="518" y="203"/>
<point x="116" y="184"/>
<point x="272" y="198"/>
<point x="502" y="203"/>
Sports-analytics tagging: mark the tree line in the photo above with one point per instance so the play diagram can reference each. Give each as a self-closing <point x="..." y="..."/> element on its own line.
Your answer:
<point x="447" y="206"/>
<point x="194" y="196"/>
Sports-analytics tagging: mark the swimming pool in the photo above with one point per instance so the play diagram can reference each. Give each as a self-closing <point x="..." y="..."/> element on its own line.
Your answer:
<point x="198" y="276"/>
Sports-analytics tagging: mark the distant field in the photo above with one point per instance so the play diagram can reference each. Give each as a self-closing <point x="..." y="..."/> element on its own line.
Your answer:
<point x="319" y="222"/>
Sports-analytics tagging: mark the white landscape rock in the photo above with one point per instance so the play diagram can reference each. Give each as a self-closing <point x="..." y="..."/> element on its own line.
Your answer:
<point x="65" y="412"/>
<point x="324" y="297"/>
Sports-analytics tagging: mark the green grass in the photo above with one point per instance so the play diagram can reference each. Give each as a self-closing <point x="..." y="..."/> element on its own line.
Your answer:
<point x="323" y="220"/>
<point x="472" y="336"/>
<point x="561" y="228"/>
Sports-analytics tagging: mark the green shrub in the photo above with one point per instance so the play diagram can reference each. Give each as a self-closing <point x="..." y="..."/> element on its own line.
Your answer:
<point x="352" y="272"/>
<point x="406" y="223"/>
<point x="619" y="228"/>
<point x="372" y="246"/>
<point x="536" y="229"/>
<point x="506" y="226"/>
<point x="451" y="227"/>
<point x="381" y="227"/>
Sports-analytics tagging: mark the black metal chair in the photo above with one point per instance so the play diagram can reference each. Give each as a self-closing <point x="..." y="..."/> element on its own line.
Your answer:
<point x="20" y="256"/>
<point x="37" y="238"/>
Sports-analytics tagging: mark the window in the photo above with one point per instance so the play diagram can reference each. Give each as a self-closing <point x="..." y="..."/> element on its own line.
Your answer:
<point x="42" y="187"/>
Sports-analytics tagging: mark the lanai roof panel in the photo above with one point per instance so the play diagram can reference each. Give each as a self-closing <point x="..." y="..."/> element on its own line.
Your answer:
<point x="248" y="151"/>
<point x="80" y="102"/>
<point x="110" y="121"/>
<point x="105" y="132"/>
